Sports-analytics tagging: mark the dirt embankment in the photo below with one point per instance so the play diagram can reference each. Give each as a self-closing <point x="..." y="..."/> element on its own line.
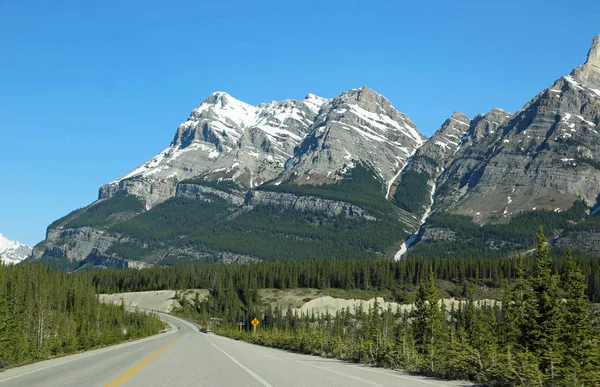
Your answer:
<point x="158" y="300"/>
<point x="301" y="301"/>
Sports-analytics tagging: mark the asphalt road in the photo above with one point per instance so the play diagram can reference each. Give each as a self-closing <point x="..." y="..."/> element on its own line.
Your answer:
<point x="186" y="357"/>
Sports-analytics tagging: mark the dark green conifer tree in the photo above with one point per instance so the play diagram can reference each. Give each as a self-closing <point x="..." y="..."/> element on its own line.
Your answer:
<point x="427" y="322"/>
<point x="577" y="337"/>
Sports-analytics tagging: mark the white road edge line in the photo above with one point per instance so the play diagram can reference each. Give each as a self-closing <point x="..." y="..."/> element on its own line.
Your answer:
<point x="98" y="351"/>
<point x="70" y="361"/>
<point x="255" y="376"/>
<point x="381" y="371"/>
<point x="391" y="373"/>
<point x="358" y="379"/>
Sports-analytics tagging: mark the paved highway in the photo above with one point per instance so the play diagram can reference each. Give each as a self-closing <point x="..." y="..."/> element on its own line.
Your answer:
<point x="186" y="357"/>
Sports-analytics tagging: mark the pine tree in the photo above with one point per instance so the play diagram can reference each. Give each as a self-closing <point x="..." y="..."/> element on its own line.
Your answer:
<point x="576" y="339"/>
<point x="545" y="285"/>
<point x="428" y="321"/>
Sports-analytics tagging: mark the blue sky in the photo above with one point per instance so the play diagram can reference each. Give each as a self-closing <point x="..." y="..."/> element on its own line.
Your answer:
<point x="91" y="89"/>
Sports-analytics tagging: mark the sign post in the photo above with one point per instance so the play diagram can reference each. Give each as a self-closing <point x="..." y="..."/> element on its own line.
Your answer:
<point x="241" y="324"/>
<point x="254" y="323"/>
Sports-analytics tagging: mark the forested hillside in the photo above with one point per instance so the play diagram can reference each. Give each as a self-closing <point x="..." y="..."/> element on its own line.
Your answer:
<point x="45" y="314"/>
<point x="184" y="229"/>
<point x="463" y="238"/>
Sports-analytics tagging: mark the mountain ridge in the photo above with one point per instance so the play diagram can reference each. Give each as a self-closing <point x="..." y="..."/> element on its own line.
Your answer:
<point x="352" y="162"/>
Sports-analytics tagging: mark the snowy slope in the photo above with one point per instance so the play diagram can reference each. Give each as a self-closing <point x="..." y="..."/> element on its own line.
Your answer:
<point x="214" y="130"/>
<point x="358" y="125"/>
<point x="12" y="251"/>
<point x="225" y="138"/>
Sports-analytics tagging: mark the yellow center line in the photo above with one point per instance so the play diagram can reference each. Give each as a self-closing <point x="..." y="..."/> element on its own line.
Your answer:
<point x="135" y="369"/>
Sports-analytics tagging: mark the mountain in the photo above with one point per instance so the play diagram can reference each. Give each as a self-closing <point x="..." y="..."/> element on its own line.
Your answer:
<point x="13" y="251"/>
<point x="293" y="172"/>
<point x="349" y="176"/>
<point x="543" y="157"/>
<point x="544" y="160"/>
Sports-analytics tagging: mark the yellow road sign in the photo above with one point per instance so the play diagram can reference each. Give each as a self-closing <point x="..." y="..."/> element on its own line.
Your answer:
<point x="254" y="322"/>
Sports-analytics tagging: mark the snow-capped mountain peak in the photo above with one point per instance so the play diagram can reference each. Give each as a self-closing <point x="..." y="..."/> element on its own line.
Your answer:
<point x="13" y="251"/>
<point x="226" y="107"/>
<point x="357" y="125"/>
<point x="225" y="138"/>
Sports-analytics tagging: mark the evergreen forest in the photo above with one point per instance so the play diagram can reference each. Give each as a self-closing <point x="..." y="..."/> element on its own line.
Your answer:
<point x="45" y="314"/>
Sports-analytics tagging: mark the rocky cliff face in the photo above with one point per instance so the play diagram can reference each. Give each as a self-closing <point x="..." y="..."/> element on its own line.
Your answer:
<point x="587" y="242"/>
<point x="462" y="169"/>
<point x="199" y="192"/>
<point x="356" y="125"/>
<point x="545" y="157"/>
<point x="74" y="244"/>
<point x="330" y="208"/>
<point x="589" y="72"/>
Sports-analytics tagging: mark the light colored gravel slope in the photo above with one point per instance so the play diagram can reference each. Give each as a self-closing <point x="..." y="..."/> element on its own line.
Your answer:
<point x="328" y="304"/>
<point x="163" y="301"/>
<point x="159" y="300"/>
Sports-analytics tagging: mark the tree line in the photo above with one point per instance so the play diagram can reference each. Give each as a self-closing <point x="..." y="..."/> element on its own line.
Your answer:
<point x="375" y="274"/>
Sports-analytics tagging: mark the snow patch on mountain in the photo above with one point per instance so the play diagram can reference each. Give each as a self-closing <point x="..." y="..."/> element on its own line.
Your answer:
<point x="412" y="239"/>
<point x="13" y="251"/>
<point x="215" y="128"/>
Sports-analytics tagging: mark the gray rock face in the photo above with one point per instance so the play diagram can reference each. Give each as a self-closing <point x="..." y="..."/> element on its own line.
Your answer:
<point x="356" y="125"/>
<point x="589" y="72"/>
<point x="194" y="191"/>
<point x="152" y="191"/>
<point x="74" y="244"/>
<point x="437" y="234"/>
<point x="461" y="170"/>
<point x="223" y="138"/>
<point x="433" y="157"/>
<point x="229" y="258"/>
<point x="543" y="158"/>
<point x="330" y="208"/>
<point x="587" y="242"/>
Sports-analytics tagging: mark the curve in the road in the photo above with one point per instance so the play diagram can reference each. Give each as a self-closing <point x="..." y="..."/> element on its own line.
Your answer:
<point x="186" y="357"/>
